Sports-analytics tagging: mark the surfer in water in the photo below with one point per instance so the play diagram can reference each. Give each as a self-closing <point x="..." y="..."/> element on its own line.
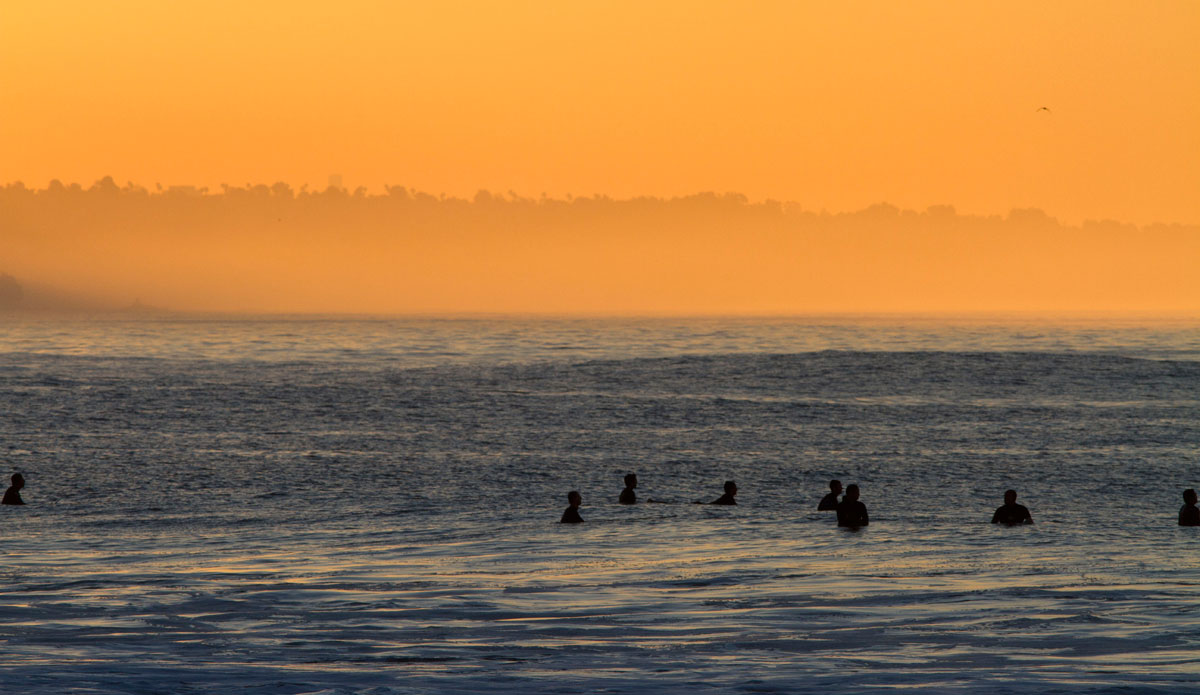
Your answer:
<point x="628" y="496"/>
<point x="571" y="515"/>
<point x="850" y="512"/>
<point x="1011" y="513"/>
<point x="728" y="497"/>
<point x="830" y="502"/>
<point x="1189" y="514"/>
<point x="13" y="494"/>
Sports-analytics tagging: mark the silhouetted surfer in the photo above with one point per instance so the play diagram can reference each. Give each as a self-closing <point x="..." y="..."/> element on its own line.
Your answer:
<point x="1189" y="515"/>
<point x="830" y="502"/>
<point x="850" y="512"/>
<point x="13" y="494"/>
<point x="627" y="495"/>
<point x="730" y="493"/>
<point x="1011" y="513"/>
<point x="571" y="515"/>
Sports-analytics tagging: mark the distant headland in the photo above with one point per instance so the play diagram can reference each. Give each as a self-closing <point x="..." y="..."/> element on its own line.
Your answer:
<point x="15" y="297"/>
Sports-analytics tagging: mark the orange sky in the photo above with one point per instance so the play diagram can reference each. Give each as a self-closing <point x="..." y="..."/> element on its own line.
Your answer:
<point x="834" y="105"/>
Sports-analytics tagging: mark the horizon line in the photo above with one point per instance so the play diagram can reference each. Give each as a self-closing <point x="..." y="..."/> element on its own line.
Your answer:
<point x="150" y="312"/>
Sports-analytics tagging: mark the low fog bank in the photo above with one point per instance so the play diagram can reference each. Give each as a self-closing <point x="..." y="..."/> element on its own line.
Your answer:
<point x="17" y="296"/>
<point x="273" y="249"/>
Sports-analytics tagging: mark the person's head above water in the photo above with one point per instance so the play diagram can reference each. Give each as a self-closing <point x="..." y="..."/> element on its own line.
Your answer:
<point x="1189" y="496"/>
<point x="18" y="480"/>
<point x="631" y="480"/>
<point x="1010" y="497"/>
<point x="851" y="492"/>
<point x="571" y="513"/>
<point x="730" y="487"/>
<point x="835" y="486"/>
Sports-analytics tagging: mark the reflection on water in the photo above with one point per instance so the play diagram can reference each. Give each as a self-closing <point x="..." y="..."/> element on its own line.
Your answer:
<point x="664" y="595"/>
<point x="370" y="506"/>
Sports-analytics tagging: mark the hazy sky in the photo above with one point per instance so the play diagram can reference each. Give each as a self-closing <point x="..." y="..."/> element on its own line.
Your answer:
<point x="834" y="105"/>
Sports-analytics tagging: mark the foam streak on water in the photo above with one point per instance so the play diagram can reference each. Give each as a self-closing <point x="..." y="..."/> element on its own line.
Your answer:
<point x="369" y="506"/>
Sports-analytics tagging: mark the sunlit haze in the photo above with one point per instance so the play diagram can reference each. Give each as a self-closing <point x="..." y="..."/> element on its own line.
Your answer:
<point x="1085" y="111"/>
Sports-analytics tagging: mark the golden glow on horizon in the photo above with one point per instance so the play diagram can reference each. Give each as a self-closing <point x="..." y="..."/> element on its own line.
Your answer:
<point x="834" y="105"/>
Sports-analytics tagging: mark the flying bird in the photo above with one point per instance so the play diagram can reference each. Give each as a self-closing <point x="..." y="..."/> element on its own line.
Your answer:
<point x="1044" y="108"/>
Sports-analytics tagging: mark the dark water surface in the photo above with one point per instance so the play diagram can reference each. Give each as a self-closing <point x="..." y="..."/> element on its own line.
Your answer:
<point x="369" y="505"/>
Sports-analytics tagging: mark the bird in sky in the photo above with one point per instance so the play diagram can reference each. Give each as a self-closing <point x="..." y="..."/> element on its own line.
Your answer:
<point x="1044" y="108"/>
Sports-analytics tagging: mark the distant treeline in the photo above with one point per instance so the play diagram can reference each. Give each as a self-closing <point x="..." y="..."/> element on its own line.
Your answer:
<point x="273" y="247"/>
<point x="282" y="197"/>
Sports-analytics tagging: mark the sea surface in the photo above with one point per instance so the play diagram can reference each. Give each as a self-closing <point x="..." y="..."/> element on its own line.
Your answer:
<point x="370" y="505"/>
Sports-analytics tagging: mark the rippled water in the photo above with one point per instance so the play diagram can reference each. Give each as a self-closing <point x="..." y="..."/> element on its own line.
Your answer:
<point x="369" y="506"/>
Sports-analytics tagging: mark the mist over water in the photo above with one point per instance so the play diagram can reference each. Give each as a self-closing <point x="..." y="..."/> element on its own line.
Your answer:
<point x="369" y="505"/>
<point x="273" y="249"/>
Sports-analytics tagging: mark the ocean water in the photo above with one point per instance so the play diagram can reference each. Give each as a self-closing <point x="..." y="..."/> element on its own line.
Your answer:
<point x="356" y="505"/>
